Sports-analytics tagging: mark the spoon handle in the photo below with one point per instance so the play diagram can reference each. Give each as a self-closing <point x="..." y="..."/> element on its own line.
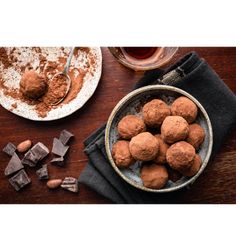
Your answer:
<point x="66" y="68"/>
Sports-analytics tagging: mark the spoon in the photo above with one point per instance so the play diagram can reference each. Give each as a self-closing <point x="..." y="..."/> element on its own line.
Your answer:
<point x="65" y="74"/>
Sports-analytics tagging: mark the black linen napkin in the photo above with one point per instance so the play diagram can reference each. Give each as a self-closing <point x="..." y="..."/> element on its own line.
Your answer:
<point x="192" y="74"/>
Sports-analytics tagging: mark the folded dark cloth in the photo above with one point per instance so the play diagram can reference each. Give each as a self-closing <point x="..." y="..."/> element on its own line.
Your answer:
<point x="192" y="74"/>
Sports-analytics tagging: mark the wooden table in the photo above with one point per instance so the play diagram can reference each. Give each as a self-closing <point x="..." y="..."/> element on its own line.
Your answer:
<point x="217" y="184"/>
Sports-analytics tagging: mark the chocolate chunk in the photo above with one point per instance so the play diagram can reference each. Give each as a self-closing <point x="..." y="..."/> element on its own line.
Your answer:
<point x="40" y="150"/>
<point x="14" y="165"/>
<point x="42" y="173"/>
<point x="29" y="159"/>
<point x="59" y="161"/>
<point x="71" y="184"/>
<point x="35" y="154"/>
<point x="9" y="149"/>
<point x="65" y="136"/>
<point x="19" y="180"/>
<point x="58" y="148"/>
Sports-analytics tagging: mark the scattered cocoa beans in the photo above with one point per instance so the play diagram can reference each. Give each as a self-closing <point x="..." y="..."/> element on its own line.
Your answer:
<point x="24" y="146"/>
<point x="54" y="183"/>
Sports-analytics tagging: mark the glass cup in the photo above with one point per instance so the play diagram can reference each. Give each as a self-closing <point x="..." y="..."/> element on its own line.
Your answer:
<point x="143" y="58"/>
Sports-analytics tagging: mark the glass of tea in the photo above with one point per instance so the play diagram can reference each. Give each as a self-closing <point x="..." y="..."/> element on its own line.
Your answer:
<point x="143" y="58"/>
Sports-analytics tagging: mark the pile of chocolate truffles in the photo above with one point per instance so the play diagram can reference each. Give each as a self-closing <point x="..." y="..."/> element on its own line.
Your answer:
<point x="165" y="140"/>
<point x="32" y="156"/>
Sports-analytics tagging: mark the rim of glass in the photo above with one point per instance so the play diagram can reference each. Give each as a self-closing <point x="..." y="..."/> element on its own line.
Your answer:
<point x="145" y="67"/>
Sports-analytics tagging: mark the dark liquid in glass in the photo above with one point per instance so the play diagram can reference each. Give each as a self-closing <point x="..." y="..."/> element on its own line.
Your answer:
<point x="140" y="52"/>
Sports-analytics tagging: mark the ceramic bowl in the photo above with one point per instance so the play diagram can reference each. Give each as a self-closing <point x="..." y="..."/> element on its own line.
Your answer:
<point x="132" y="104"/>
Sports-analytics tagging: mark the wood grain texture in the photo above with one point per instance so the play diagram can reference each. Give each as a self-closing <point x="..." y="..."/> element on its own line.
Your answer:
<point x="217" y="184"/>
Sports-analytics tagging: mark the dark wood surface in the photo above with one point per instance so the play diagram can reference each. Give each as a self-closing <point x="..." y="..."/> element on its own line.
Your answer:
<point x="217" y="184"/>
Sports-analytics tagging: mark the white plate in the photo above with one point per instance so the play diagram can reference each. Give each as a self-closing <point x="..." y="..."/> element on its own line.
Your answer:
<point x="27" y="111"/>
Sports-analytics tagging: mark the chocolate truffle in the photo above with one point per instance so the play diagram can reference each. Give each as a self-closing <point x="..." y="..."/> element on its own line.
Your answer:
<point x="174" y="128"/>
<point x="194" y="168"/>
<point x="121" y="154"/>
<point x="196" y="135"/>
<point x="180" y="155"/>
<point x="33" y="85"/>
<point x="161" y="156"/>
<point x="130" y="125"/>
<point x="184" y="107"/>
<point x="154" y="112"/>
<point x="144" y="147"/>
<point x="154" y="176"/>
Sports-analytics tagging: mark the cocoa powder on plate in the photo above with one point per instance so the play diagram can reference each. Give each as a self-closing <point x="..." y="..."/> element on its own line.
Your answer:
<point x="56" y="88"/>
<point x="6" y="61"/>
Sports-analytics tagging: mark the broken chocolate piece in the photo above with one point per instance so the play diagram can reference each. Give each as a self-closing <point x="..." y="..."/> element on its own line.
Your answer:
<point x="14" y="165"/>
<point x="71" y="184"/>
<point x="19" y="180"/>
<point x="40" y="150"/>
<point x="35" y="154"/>
<point x="29" y="159"/>
<point x="59" y="161"/>
<point x="65" y="136"/>
<point x="9" y="149"/>
<point x="42" y="173"/>
<point x="58" y="148"/>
